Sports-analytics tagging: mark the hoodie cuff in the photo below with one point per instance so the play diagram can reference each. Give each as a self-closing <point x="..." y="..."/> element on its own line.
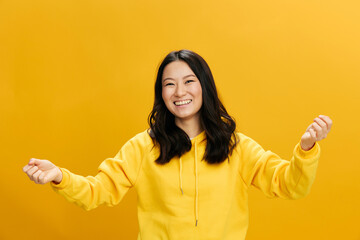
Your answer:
<point x="64" y="182"/>
<point x="310" y="154"/>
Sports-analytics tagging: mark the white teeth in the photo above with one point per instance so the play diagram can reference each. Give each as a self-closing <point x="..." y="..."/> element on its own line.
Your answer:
<point x="182" y="102"/>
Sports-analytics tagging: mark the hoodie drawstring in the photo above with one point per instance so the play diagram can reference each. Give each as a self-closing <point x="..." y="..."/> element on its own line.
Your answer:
<point x="196" y="185"/>
<point x="180" y="174"/>
<point x="196" y="189"/>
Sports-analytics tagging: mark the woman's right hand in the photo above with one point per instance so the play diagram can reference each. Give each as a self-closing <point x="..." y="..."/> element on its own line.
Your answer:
<point x="42" y="171"/>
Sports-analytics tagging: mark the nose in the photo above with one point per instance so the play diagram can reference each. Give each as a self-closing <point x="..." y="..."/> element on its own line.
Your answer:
<point x="180" y="90"/>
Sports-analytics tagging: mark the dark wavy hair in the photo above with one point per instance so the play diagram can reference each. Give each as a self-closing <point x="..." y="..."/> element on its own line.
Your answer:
<point x="218" y="125"/>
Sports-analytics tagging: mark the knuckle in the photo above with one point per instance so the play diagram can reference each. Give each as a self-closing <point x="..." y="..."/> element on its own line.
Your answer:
<point x="35" y="177"/>
<point x="36" y="180"/>
<point x="29" y="175"/>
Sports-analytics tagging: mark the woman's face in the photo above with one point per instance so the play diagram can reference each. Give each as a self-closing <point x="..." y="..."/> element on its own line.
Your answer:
<point x="181" y="91"/>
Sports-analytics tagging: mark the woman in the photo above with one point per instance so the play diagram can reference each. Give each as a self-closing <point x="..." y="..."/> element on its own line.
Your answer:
<point x="191" y="169"/>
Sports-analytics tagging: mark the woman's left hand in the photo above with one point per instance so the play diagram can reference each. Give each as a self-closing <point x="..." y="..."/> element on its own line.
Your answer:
<point x="317" y="131"/>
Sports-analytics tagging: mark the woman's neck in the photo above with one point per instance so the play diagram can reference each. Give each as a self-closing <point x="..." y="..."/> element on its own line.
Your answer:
<point x="191" y="127"/>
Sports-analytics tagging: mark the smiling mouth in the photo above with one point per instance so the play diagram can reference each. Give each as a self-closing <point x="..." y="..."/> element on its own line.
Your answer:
<point x="180" y="103"/>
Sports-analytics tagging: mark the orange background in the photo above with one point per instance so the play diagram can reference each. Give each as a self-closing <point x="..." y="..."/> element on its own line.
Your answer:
<point x="77" y="82"/>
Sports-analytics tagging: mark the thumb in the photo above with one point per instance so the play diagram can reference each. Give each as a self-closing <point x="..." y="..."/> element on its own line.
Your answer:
<point x="34" y="161"/>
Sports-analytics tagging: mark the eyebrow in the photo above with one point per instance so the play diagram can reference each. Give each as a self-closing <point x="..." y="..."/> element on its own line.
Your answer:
<point x="190" y="75"/>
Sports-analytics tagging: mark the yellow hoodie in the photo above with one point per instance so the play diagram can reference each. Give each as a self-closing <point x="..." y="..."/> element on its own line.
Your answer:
<point x="188" y="198"/>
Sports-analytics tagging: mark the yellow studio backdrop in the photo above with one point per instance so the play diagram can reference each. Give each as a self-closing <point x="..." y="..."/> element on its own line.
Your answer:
<point x="77" y="81"/>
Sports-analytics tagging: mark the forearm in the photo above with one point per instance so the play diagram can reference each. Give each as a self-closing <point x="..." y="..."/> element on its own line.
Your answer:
<point x="88" y="192"/>
<point x="304" y="163"/>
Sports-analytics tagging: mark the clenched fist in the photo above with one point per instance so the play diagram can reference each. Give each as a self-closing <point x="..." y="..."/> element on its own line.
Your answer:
<point x="42" y="171"/>
<point x="317" y="131"/>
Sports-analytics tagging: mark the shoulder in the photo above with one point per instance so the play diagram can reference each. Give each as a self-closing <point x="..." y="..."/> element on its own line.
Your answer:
<point x="138" y="145"/>
<point x="245" y="141"/>
<point x="241" y="137"/>
<point x="143" y="138"/>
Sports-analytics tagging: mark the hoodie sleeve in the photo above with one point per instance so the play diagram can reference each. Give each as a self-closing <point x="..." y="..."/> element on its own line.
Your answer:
<point x="277" y="177"/>
<point x="114" y="178"/>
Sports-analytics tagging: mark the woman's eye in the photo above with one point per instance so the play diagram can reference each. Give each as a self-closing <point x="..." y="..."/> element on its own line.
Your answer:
<point x="167" y="84"/>
<point x="188" y="81"/>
